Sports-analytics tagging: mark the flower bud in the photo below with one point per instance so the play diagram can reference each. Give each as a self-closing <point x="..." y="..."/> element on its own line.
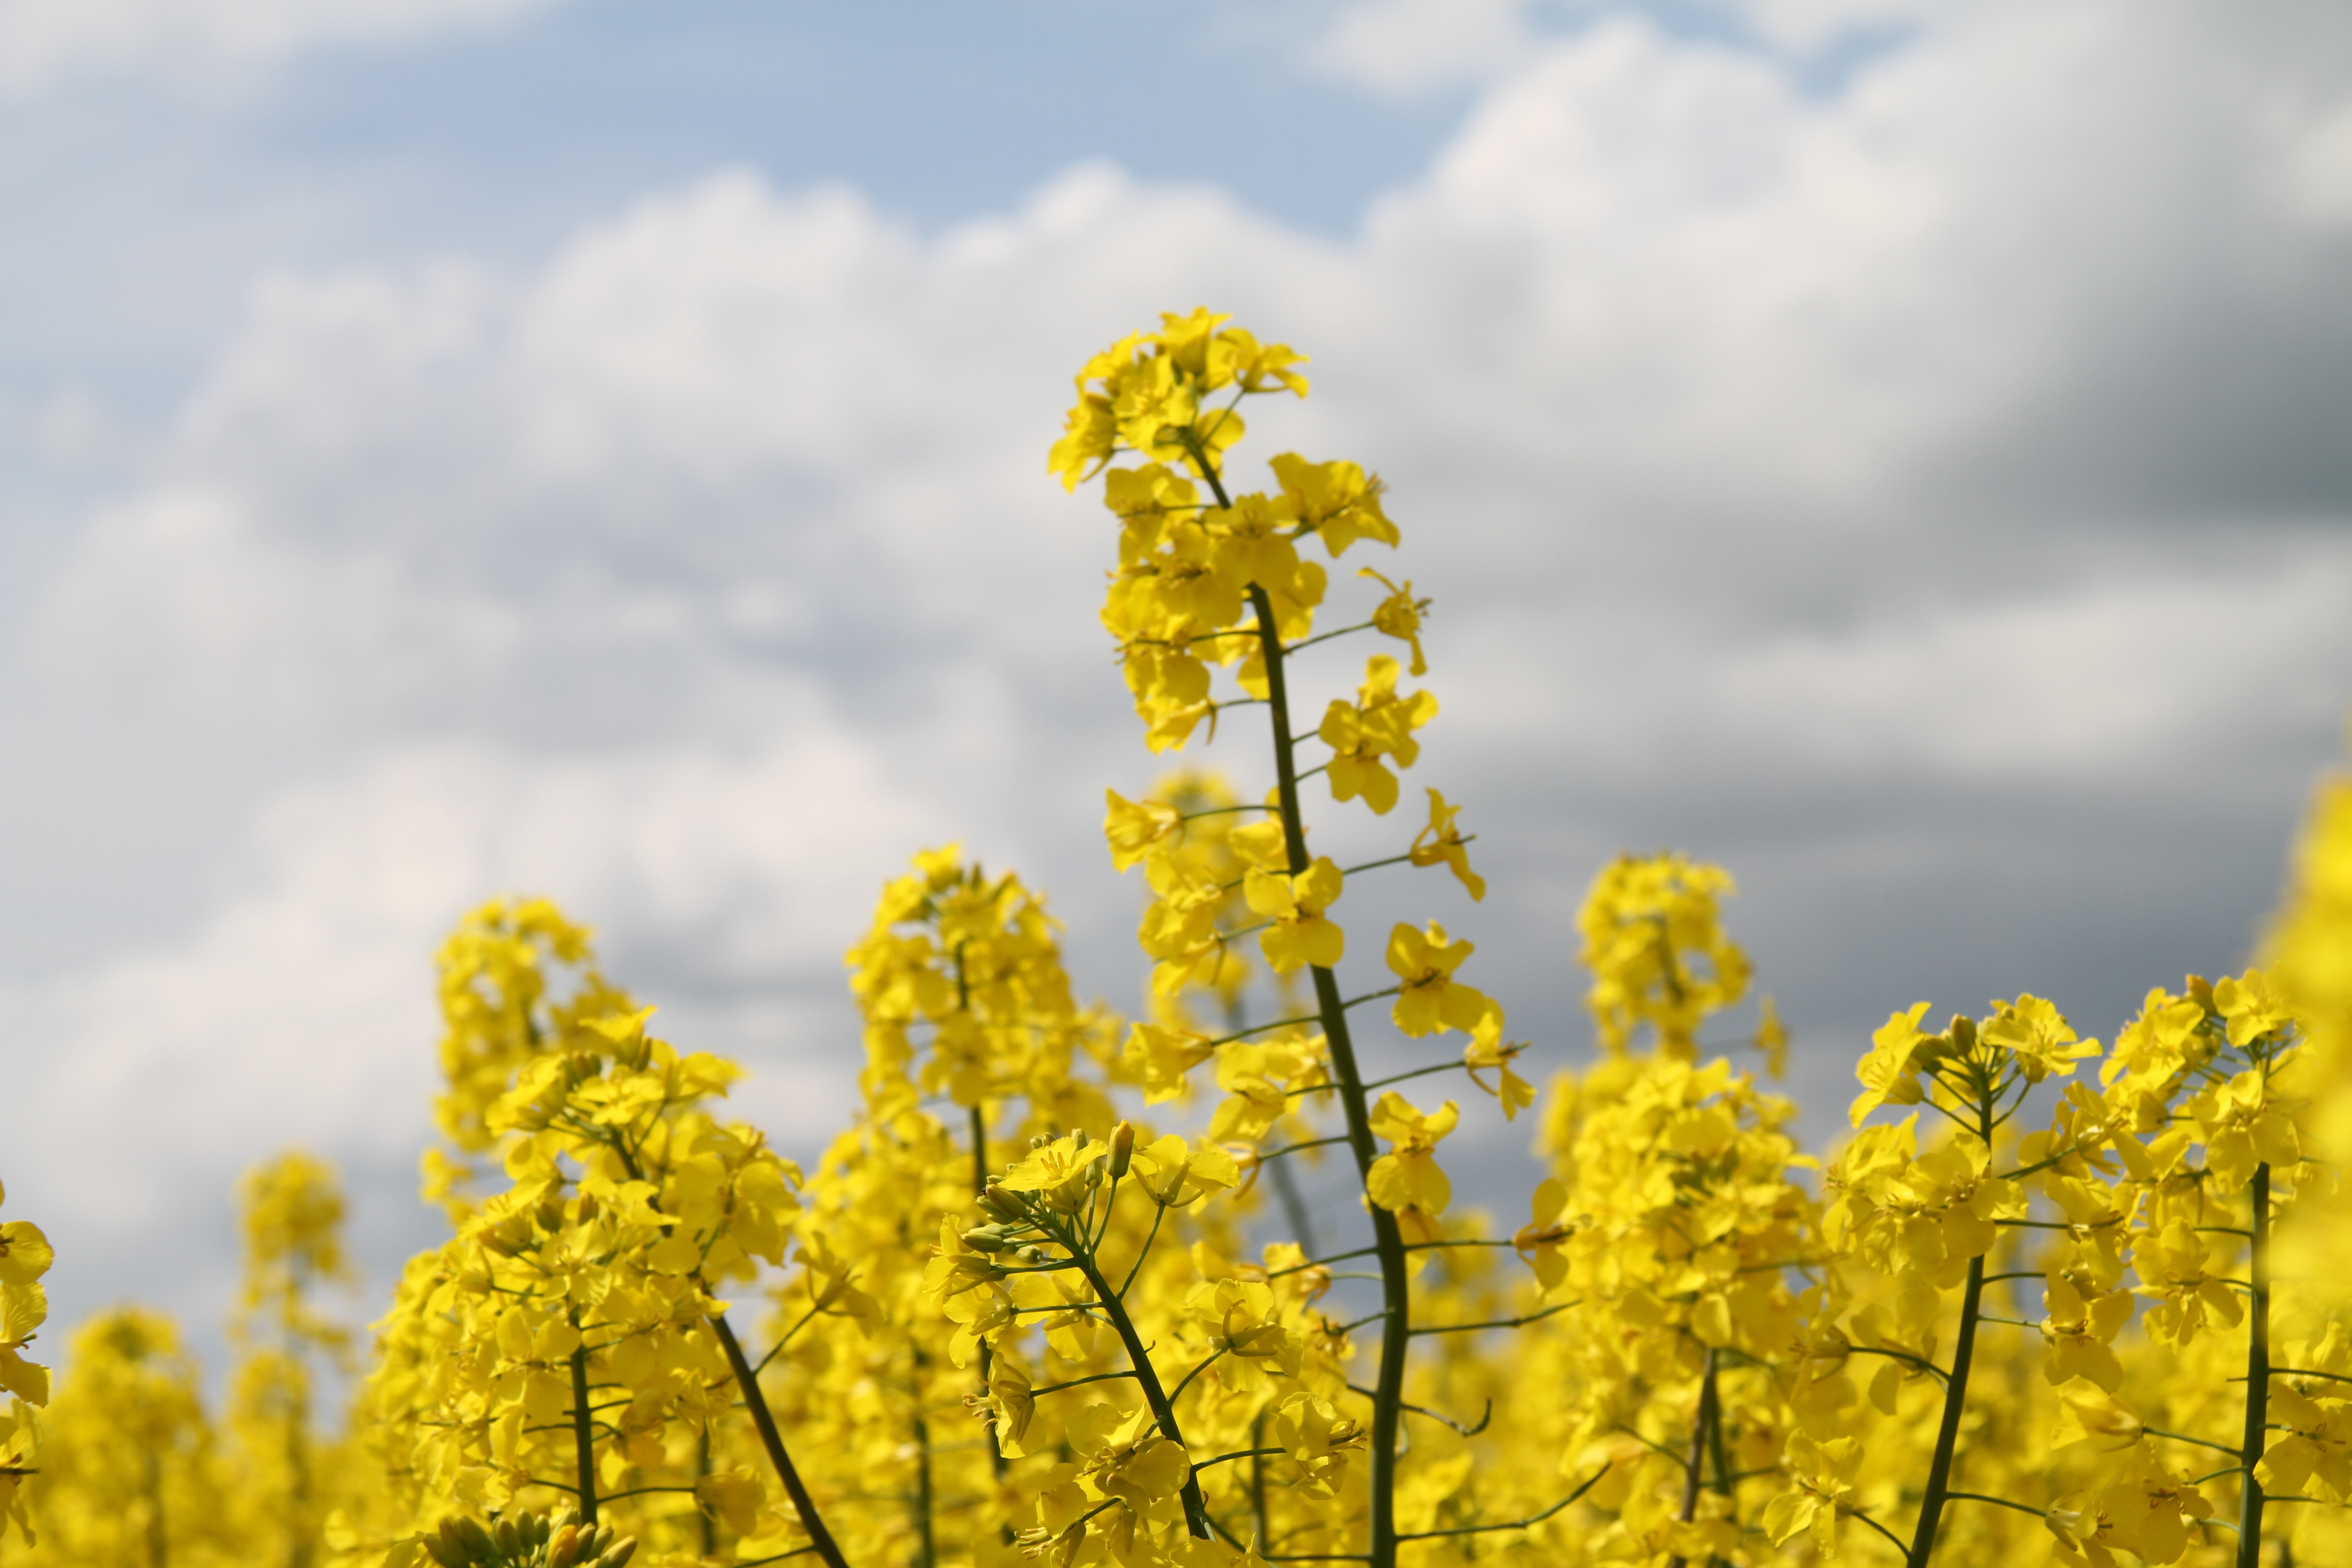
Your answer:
<point x="620" y="1553"/>
<point x="1122" y="1148"/>
<point x="507" y="1538"/>
<point x="549" y="1213"/>
<point x="1000" y="1203"/>
<point x="986" y="1238"/>
<point x="564" y="1545"/>
<point x="599" y="1543"/>
<point x="1964" y="1034"/>
<point x="442" y="1552"/>
<point x="478" y="1544"/>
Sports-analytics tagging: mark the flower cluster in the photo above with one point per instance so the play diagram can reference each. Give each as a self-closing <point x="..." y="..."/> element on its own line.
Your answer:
<point x="578" y="1301"/>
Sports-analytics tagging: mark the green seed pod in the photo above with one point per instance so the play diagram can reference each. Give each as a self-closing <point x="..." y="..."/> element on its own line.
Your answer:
<point x="1122" y="1148"/>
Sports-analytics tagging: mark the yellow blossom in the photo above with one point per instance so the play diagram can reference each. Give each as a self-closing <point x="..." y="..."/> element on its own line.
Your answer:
<point x="1408" y="1175"/>
<point x="1441" y="843"/>
<point x="1298" y="933"/>
<point x="1429" y="997"/>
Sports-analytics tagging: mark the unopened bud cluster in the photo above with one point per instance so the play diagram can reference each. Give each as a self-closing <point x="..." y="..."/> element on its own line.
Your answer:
<point x="528" y="1541"/>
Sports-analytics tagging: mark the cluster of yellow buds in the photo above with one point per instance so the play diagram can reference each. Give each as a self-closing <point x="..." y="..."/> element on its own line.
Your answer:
<point x="498" y="1009"/>
<point x="567" y="1336"/>
<point x="972" y="962"/>
<point x="1655" y="942"/>
<point x="527" y="1540"/>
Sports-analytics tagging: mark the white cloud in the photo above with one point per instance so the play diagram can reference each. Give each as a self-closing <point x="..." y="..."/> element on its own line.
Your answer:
<point x="300" y="1010"/>
<point x="44" y="40"/>
<point x="1795" y="475"/>
<point x="1411" y="46"/>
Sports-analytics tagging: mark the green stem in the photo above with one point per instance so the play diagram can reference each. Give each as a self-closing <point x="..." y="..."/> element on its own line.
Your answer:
<point x="1396" y="1331"/>
<point x="1196" y="1508"/>
<point x="1700" y="1423"/>
<point x="584" y="1438"/>
<point x="927" y="1554"/>
<point x="1258" y="1481"/>
<point x="772" y="1440"/>
<point x="979" y="1186"/>
<point x="1956" y="1392"/>
<point x="1940" y="1469"/>
<point x="701" y="1471"/>
<point x="1717" y="1447"/>
<point x="2258" y="1377"/>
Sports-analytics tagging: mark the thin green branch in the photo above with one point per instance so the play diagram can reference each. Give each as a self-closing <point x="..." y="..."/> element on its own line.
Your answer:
<point x="1533" y="1518"/>
<point x="1327" y="637"/>
<point x="1494" y="1323"/>
<point x="1997" y="1502"/>
<point x="1294" y="1148"/>
<point x="1185" y="1382"/>
<point x="1441" y="1418"/>
<point x="2200" y="1442"/>
<point x="1237" y="1454"/>
<point x="1078" y="1381"/>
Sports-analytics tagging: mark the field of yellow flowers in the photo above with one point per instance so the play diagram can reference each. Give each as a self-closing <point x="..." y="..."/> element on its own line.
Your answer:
<point x="1053" y="1296"/>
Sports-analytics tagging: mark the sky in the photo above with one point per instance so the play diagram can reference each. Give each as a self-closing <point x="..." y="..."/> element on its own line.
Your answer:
<point x="449" y="448"/>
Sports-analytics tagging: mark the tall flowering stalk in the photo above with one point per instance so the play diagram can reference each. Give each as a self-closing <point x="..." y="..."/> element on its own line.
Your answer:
<point x="292" y="1214"/>
<point x="1209" y="579"/>
<point x="567" y="1342"/>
